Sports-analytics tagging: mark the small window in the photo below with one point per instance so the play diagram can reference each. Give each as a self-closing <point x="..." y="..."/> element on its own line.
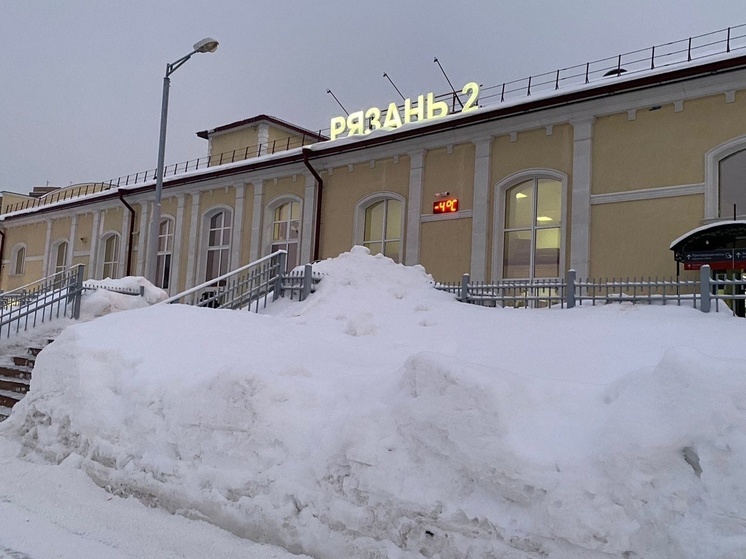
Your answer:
<point x="286" y="231"/>
<point x="110" y="257"/>
<point x="165" y="252"/>
<point x="19" y="261"/>
<point x="533" y="229"/>
<point x="218" y="245"/>
<point x="383" y="227"/>
<point x="732" y="170"/>
<point x="60" y="258"/>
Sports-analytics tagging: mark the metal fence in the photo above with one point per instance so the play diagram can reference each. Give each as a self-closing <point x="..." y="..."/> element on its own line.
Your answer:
<point x="706" y="293"/>
<point x="52" y="297"/>
<point x="251" y="286"/>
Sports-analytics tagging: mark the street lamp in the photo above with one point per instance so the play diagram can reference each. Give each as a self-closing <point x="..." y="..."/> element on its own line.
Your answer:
<point x="207" y="44"/>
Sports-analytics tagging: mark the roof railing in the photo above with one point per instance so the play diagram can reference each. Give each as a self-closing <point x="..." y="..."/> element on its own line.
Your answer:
<point x="715" y="43"/>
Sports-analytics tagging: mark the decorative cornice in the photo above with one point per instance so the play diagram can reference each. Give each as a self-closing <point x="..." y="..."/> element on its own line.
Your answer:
<point x="648" y="194"/>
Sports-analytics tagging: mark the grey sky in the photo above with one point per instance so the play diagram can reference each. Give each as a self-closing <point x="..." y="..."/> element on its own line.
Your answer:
<point x="80" y="81"/>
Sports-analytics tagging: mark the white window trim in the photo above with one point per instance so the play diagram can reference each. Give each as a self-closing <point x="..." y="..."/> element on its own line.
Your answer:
<point x="499" y="212"/>
<point x="364" y="203"/>
<point x="53" y="254"/>
<point x="712" y="174"/>
<point x="269" y="221"/>
<point x="172" y="219"/>
<point x="204" y="232"/>
<point x="102" y="253"/>
<point x="14" y="256"/>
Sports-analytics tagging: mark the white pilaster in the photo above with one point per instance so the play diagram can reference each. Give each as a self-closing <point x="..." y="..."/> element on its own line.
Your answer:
<point x="262" y="134"/>
<point x="237" y="232"/>
<point x="414" y="208"/>
<point x="307" y="235"/>
<point x="95" y="234"/>
<point x="47" y="250"/>
<point x="142" y="238"/>
<point x="125" y="244"/>
<point x="193" y="245"/>
<point x="173" y="286"/>
<point x="256" y="221"/>
<point x="480" y="215"/>
<point x="581" y="197"/>
<point x="71" y="246"/>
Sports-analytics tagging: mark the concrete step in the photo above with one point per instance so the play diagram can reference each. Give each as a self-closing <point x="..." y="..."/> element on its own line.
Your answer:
<point x="4" y="413"/>
<point x="9" y="399"/>
<point x="14" y="385"/>
<point x="15" y="372"/>
<point x="24" y="361"/>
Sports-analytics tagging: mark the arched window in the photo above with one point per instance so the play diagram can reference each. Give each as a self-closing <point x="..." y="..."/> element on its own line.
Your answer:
<point x="286" y="231"/>
<point x="380" y="225"/>
<point x="165" y="252"/>
<point x="18" y="260"/>
<point x="110" y="256"/>
<point x="732" y="182"/>
<point x="59" y="257"/>
<point x="532" y="227"/>
<point x="217" y="257"/>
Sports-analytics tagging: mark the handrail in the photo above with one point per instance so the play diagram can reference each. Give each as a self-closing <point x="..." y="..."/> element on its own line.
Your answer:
<point x="28" y="286"/>
<point x="215" y="281"/>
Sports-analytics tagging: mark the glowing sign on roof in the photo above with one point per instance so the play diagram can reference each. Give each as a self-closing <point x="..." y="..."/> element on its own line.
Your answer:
<point x="425" y="108"/>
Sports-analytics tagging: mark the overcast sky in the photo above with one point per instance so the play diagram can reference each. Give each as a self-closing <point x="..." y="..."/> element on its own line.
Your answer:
<point x="80" y="81"/>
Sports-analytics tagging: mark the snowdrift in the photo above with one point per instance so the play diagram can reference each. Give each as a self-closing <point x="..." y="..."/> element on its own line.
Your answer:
<point x="381" y="418"/>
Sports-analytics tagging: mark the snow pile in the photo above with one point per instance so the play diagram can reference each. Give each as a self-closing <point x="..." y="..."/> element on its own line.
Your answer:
<point x="99" y="298"/>
<point x="381" y="418"/>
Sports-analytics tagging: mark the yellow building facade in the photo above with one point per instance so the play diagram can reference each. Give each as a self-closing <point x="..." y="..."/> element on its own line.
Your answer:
<point x="599" y="178"/>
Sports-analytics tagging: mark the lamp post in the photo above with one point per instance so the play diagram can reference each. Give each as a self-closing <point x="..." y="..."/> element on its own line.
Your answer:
<point x="205" y="45"/>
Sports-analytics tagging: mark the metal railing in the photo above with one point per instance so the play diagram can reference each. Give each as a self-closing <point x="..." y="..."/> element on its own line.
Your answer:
<point x="704" y="293"/>
<point x="251" y="285"/>
<point x="55" y="296"/>
<point x="722" y="41"/>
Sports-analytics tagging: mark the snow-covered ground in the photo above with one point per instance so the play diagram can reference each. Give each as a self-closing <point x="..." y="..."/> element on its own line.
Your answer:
<point x="381" y="418"/>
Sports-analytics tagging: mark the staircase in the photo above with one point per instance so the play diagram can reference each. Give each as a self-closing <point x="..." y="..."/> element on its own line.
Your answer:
<point x="15" y="379"/>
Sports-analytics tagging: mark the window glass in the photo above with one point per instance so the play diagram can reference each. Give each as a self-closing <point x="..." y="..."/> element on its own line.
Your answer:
<point x="111" y="257"/>
<point x="519" y="205"/>
<point x="533" y="230"/>
<point x="165" y="251"/>
<point x="60" y="262"/>
<point x="218" y="246"/>
<point x="286" y="232"/>
<point x="732" y="184"/>
<point x="20" y="261"/>
<point x="382" y="228"/>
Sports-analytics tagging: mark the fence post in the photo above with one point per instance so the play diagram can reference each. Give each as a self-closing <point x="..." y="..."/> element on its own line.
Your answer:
<point x="78" y="290"/>
<point x="278" y="278"/>
<point x="307" y="281"/>
<point x="570" y="289"/>
<point x="705" y="299"/>
<point x="464" y="289"/>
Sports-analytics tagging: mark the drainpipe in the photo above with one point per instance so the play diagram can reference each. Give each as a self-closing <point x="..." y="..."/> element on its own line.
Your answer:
<point x="2" y="248"/>
<point x="128" y="270"/>
<point x="317" y="234"/>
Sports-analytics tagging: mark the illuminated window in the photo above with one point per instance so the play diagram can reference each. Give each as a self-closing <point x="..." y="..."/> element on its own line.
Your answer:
<point x="59" y="253"/>
<point x="382" y="228"/>
<point x="731" y="171"/>
<point x="110" y="253"/>
<point x="218" y="244"/>
<point x="165" y="252"/>
<point x="532" y="231"/>
<point x="19" y="260"/>
<point x="286" y="231"/>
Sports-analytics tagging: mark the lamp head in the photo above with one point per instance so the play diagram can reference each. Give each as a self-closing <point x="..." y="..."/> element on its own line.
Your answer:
<point x="208" y="44"/>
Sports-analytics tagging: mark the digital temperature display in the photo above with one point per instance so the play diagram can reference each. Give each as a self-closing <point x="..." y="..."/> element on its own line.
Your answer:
<point x="446" y="206"/>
